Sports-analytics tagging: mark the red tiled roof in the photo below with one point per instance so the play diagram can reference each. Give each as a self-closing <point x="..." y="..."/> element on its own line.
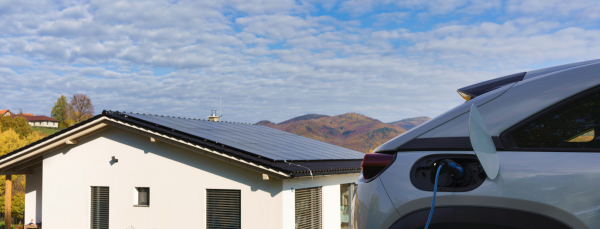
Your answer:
<point x="3" y="111"/>
<point x="37" y="118"/>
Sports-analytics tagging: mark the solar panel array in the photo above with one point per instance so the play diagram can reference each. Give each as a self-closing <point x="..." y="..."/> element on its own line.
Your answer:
<point x="260" y="140"/>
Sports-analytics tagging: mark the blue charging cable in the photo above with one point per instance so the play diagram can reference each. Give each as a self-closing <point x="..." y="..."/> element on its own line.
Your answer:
<point x="437" y="175"/>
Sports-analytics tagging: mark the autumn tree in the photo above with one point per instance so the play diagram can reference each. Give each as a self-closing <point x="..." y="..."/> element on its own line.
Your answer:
<point x="60" y="111"/>
<point x="18" y="124"/>
<point x="17" y="207"/>
<point x="80" y="108"/>
<point x="10" y="140"/>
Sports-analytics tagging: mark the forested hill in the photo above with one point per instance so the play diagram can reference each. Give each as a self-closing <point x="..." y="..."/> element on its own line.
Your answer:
<point x="351" y="130"/>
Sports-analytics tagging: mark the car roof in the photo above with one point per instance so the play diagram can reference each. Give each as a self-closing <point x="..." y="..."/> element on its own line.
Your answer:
<point x="543" y="71"/>
<point x="501" y="108"/>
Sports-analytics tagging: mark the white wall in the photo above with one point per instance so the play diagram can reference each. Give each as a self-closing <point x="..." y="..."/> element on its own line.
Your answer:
<point x="330" y="194"/>
<point x="44" y="124"/>
<point x="331" y="206"/>
<point x="177" y="178"/>
<point x="33" y="196"/>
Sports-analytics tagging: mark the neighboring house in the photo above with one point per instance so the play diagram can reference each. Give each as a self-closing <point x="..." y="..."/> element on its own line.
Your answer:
<point x="124" y="170"/>
<point x="39" y="120"/>
<point x="5" y="113"/>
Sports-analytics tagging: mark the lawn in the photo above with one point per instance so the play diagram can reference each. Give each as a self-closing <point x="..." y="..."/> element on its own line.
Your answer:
<point x="14" y="225"/>
<point x="46" y="130"/>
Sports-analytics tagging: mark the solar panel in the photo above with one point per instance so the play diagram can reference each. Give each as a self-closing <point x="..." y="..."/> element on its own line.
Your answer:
<point x="259" y="140"/>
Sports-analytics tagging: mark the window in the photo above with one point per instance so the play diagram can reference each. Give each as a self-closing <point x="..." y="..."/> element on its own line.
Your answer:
<point x="223" y="208"/>
<point x="346" y="197"/>
<point x="308" y="208"/>
<point x="569" y="127"/>
<point x="143" y="197"/>
<point x="99" y="208"/>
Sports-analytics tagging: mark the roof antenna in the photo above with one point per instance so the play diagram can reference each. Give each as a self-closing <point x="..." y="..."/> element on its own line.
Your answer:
<point x="213" y="113"/>
<point x="100" y="100"/>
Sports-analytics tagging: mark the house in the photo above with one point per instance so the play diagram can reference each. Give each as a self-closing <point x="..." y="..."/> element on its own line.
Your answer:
<point x="5" y="113"/>
<point x="39" y="120"/>
<point x="126" y="170"/>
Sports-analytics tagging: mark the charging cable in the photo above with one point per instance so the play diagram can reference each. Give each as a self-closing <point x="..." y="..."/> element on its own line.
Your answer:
<point x="437" y="175"/>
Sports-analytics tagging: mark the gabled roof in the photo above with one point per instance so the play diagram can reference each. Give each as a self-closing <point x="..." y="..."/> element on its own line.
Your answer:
<point x="36" y="118"/>
<point x="261" y="141"/>
<point x="2" y="112"/>
<point x="273" y="151"/>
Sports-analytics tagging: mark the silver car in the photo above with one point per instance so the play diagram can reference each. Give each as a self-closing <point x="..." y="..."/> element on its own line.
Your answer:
<point x="527" y="150"/>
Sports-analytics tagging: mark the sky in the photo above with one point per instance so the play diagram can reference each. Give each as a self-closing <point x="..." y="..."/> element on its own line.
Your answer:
<point x="278" y="59"/>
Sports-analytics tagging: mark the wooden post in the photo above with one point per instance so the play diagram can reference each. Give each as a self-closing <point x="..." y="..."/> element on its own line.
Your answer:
<point x="7" y="199"/>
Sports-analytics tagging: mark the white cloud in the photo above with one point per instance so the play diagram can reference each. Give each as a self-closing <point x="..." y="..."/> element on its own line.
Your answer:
<point x="556" y="8"/>
<point x="273" y="59"/>
<point x="278" y="26"/>
<point x="387" y="18"/>
<point x="432" y="7"/>
<point x="14" y="62"/>
<point x="508" y="44"/>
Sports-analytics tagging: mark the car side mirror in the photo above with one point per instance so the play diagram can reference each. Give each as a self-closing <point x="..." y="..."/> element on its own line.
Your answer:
<point x="482" y="144"/>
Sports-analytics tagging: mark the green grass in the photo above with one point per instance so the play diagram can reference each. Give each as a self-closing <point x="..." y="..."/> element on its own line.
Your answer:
<point x="14" y="225"/>
<point x="46" y="130"/>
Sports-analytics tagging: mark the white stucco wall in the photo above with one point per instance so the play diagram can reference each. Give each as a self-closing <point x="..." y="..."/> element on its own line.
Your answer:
<point x="177" y="178"/>
<point x="331" y="195"/>
<point x="33" y="196"/>
<point x="331" y="206"/>
<point x="44" y="124"/>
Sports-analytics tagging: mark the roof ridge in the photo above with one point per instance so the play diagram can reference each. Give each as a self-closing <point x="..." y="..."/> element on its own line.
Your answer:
<point x="125" y="112"/>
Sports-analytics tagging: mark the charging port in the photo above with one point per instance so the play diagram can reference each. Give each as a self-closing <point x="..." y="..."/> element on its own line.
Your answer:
<point x="423" y="173"/>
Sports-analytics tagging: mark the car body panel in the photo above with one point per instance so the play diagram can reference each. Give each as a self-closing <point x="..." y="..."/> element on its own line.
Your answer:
<point x="372" y="207"/>
<point x="543" y="71"/>
<point x="561" y="185"/>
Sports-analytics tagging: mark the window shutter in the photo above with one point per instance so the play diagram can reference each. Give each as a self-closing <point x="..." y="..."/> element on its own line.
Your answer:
<point x="99" y="205"/>
<point x="223" y="208"/>
<point x="308" y="208"/>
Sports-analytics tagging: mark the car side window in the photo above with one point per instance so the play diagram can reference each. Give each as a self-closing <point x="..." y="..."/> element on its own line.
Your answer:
<point x="571" y="126"/>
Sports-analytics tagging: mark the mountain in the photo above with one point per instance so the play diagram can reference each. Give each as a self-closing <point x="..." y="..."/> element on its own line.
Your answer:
<point x="265" y="123"/>
<point x="303" y="117"/>
<point x="410" y="123"/>
<point x="351" y="130"/>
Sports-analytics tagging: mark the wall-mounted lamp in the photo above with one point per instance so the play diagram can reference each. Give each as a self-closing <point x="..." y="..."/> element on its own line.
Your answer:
<point x="114" y="160"/>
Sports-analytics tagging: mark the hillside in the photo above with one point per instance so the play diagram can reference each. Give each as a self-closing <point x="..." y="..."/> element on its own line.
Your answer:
<point x="410" y="123"/>
<point x="303" y="117"/>
<point x="351" y="130"/>
<point x="46" y="130"/>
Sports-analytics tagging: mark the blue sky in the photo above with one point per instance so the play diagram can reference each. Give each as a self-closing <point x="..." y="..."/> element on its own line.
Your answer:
<point x="277" y="59"/>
